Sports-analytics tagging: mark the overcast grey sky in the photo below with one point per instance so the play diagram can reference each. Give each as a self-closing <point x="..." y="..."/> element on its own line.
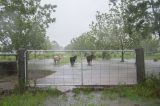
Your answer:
<point x="73" y="18"/>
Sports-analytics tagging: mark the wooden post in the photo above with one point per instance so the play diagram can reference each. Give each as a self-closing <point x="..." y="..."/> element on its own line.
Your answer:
<point x="26" y="73"/>
<point x="140" y="65"/>
<point x="21" y="68"/>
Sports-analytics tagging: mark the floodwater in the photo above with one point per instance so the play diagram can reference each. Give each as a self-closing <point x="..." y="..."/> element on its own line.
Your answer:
<point x="102" y="72"/>
<point x="95" y="99"/>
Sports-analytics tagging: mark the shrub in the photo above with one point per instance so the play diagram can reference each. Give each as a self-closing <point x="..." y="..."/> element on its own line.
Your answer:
<point x="106" y="55"/>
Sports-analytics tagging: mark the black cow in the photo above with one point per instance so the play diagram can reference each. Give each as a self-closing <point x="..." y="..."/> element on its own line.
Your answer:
<point x="89" y="59"/>
<point x="72" y="60"/>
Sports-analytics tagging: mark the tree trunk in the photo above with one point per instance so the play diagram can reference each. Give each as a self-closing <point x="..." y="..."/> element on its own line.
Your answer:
<point x="122" y="57"/>
<point x="122" y="48"/>
<point x="159" y="34"/>
<point x="155" y="18"/>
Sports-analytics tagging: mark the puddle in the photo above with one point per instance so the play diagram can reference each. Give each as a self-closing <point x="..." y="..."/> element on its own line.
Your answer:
<point x="94" y="99"/>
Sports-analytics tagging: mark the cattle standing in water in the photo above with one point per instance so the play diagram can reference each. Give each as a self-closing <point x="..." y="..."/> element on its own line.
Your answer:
<point x="89" y="59"/>
<point x="56" y="59"/>
<point x="72" y="60"/>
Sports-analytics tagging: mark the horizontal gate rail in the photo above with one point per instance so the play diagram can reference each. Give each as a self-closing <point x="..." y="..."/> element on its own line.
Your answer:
<point x="8" y="54"/>
<point x="80" y="50"/>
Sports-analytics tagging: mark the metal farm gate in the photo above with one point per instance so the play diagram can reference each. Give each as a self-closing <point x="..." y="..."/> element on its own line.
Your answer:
<point x="105" y="69"/>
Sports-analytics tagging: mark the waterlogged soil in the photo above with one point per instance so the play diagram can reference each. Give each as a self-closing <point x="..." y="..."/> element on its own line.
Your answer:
<point x="8" y="82"/>
<point x="96" y="99"/>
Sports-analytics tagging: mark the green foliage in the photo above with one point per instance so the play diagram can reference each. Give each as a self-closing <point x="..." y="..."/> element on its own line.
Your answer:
<point x="82" y="90"/>
<point x="108" y="31"/>
<point x="149" y="89"/>
<point x="156" y="57"/>
<point x="106" y="55"/>
<point x="129" y="55"/>
<point x="150" y="45"/>
<point x="141" y="20"/>
<point x="136" y="20"/>
<point x="128" y="25"/>
<point x="109" y="55"/>
<point x="109" y="94"/>
<point x="83" y="42"/>
<point x="103" y="55"/>
<point x="56" y="46"/>
<point x="24" y="23"/>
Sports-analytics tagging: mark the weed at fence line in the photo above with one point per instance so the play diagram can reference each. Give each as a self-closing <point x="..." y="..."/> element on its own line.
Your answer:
<point x="82" y="90"/>
<point x="109" y="94"/>
<point x="149" y="89"/>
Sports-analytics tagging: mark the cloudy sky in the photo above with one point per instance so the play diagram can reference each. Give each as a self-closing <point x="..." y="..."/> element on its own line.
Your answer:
<point x="73" y="18"/>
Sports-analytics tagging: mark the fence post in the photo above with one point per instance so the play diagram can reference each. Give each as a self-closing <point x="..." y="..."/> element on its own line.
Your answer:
<point x="21" y="68"/>
<point x="27" y="58"/>
<point x="81" y="69"/>
<point x="140" y="65"/>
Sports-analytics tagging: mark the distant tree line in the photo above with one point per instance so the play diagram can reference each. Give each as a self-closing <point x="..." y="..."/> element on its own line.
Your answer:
<point x="128" y="25"/>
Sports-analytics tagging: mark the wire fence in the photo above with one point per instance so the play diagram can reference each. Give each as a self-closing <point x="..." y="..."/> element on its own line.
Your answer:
<point x="8" y="71"/>
<point x="8" y="63"/>
<point x="105" y="68"/>
<point x="7" y="56"/>
<point x="152" y="63"/>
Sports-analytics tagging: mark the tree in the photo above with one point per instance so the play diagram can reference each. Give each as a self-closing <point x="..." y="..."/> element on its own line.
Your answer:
<point x="136" y="21"/>
<point x="56" y="46"/>
<point x="108" y="31"/>
<point x="83" y="42"/>
<point x="155" y="5"/>
<point x="23" y="20"/>
<point x="142" y="19"/>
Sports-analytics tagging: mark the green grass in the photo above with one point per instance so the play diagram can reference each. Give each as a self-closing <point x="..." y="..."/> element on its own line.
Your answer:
<point x="46" y="55"/>
<point x="109" y="95"/>
<point x="65" y="57"/>
<point x="127" y="55"/>
<point x="147" y="90"/>
<point x="82" y="90"/>
<point x="150" y="89"/>
<point x="7" y="58"/>
<point x="154" y="56"/>
<point x="29" y="98"/>
<point x="114" y="55"/>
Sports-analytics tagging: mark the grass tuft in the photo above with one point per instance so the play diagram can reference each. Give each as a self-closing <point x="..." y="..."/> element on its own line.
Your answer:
<point x="82" y="90"/>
